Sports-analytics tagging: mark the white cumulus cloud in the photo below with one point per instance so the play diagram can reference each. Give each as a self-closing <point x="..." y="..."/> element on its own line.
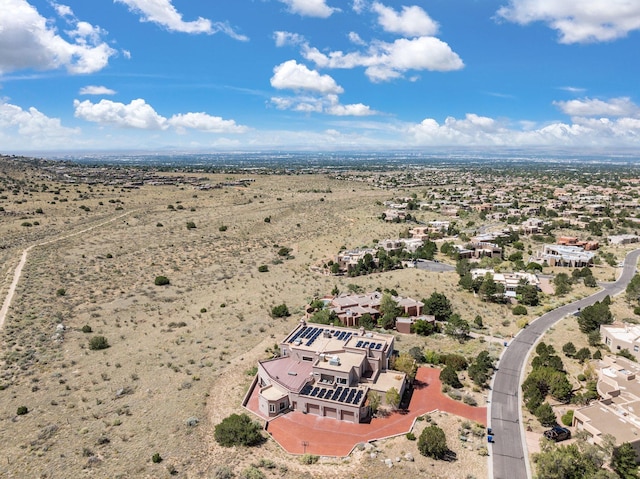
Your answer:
<point x="479" y="131"/>
<point x="294" y="76"/>
<point x="19" y="126"/>
<point x="412" y="21"/>
<point x="28" y="40"/>
<point x="140" y="115"/>
<point x="96" y="90"/>
<point x="354" y="109"/>
<point x="205" y="122"/>
<point x="287" y="38"/>
<point x="136" y="114"/>
<point x="163" y="13"/>
<point x="384" y="61"/>
<point x="310" y="8"/>
<point x="616" y="107"/>
<point x="577" y="21"/>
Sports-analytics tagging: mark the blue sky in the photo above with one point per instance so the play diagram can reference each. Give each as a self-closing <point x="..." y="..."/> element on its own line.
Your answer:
<point x="319" y="75"/>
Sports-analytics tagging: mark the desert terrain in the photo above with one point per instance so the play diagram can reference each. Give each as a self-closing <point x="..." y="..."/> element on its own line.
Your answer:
<point x="183" y="350"/>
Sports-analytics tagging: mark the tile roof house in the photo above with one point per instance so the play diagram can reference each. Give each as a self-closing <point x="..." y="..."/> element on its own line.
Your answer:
<point x="328" y="371"/>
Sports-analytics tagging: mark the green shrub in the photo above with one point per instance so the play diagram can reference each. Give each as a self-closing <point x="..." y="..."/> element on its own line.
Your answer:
<point x="252" y="472"/>
<point x="190" y="225"/>
<point x="567" y="418"/>
<point x="223" y="472"/>
<point x="87" y="329"/>
<point x="238" y="430"/>
<point x="519" y="310"/>
<point x="161" y="280"/>
<point x="61" y="292"/>
<point x="263" y="268"/>
<point x="98" y="342"/>
<point x="280" y="311"/>
<point x="309" y="459"/>
<point x="223" y="228"/>
<point x="433" y="443"/>
<point x="22" y="410"/>
<point x="156" y="458"/>
<point x="203" y="310"/>
<point x="411" y="436"/>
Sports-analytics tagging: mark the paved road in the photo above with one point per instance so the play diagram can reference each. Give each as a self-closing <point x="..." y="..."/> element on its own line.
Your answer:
<point x="434" y="266"/>
<point x="510" y="460"/>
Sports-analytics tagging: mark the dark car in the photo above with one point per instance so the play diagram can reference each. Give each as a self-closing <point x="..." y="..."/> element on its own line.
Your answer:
<point x="558" y="434"/>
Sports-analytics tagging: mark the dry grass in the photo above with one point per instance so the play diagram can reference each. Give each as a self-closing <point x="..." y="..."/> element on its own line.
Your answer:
<point x="181" y="350"/>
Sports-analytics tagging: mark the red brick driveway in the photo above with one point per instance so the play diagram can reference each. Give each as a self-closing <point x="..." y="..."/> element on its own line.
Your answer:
<point x="301" y="433"/>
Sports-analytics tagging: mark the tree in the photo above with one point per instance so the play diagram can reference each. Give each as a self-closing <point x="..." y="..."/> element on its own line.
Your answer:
<point x="590" y="282"/>
<point x="438" y="305"/>
<point x="633" y="289"/>
<point x="583" y="354"/>
<point x="433" y="443"/>
<point x="238" y="430"/>
<point x="424" y="328"/>
<point x="564" y="462"/>
<point x="623" y="462"/>
<point x="544" y="413"/>
<point x="449" y="377"/>
<point x="417" y="354"/>
<point x="392" y="397"/>
<point x="489" y="288"/>
<point x="591" y="317"/>
<point x="406" y="363"/>
<point x="562" y="284"/>
<point x="389" y="310"/>
<point x="569" y="349"/>
<point x="374" y="400"/>
<point x="457" y="327"/>
<point x="97" y="343"/>
<point x="161" y="281"/>
<point x="367" y="322"/>
<point x="528" y="294"/>
<point x="280" y="311"/>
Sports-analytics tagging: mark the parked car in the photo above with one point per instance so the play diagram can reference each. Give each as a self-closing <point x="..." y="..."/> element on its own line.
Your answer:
<point x="558" y="434"/>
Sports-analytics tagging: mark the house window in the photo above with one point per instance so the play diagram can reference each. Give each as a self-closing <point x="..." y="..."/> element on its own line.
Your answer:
<point x="607" y="341"/>
<point x="341" y="380"/>
<point x="307" y="358"/>
<point x="618" y="347"/>
<point x="282" y="406"/>
<point x="635" y="348"/>
<point x="326" y="379"/>
<point x="272" y="408"/>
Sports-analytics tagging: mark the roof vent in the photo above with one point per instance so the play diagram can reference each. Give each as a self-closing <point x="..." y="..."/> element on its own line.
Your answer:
<point x="334" y="361"/>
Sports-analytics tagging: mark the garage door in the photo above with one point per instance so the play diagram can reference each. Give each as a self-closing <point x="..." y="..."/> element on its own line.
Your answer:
<point x="331" y="412"/>
<point x="313" y="409"/>
<point x="349" y="416"/>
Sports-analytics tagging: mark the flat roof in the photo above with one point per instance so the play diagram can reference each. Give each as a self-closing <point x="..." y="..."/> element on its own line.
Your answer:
<point x="346" y="361"/>
<point x="608" y="422"/>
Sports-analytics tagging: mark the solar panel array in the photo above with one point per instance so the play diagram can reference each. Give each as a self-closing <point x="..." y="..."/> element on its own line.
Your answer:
<point x="340" y="394"/>
<point x="369" y="345"/>
<point x="311" y="333"/>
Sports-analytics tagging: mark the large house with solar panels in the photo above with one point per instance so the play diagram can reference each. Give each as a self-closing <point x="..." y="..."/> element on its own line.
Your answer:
<point x="328" y="371"/>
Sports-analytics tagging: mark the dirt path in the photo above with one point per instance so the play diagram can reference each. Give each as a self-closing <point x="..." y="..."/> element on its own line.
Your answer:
<point x="23" y="260"/>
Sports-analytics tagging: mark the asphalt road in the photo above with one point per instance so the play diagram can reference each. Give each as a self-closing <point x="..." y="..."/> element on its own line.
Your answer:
<point x="508" y="451"/>
<point x="434" y="266"/>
